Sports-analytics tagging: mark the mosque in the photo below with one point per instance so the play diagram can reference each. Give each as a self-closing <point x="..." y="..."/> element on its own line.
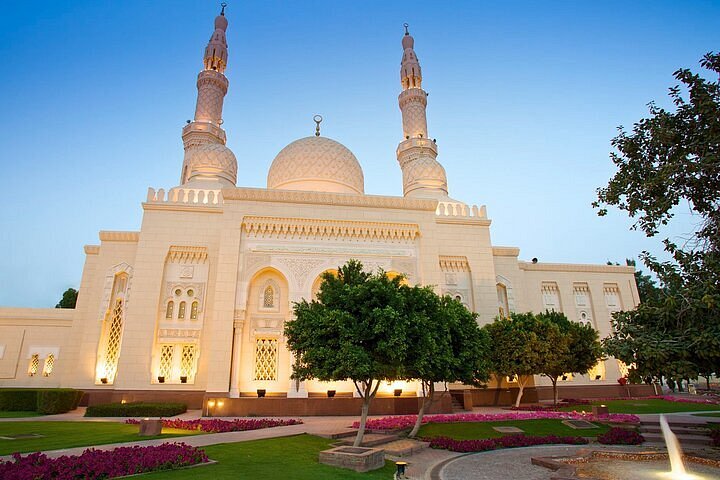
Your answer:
<point x="192" y="305"/>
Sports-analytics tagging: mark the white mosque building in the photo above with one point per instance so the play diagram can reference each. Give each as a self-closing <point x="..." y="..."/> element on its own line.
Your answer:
<point x="192" y="305"/>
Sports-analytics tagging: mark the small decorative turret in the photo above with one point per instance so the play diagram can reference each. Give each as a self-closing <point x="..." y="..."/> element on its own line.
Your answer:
<point x="423" y="176"/>
<point x="208" y="162"/>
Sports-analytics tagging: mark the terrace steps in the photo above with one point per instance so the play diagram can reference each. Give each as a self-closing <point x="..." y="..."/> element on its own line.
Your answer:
<point x="689" y="433"/>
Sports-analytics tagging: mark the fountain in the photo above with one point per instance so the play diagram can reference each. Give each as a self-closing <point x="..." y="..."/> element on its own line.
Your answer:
<point x="648" y="465"/>
<point x="677" y="466"/>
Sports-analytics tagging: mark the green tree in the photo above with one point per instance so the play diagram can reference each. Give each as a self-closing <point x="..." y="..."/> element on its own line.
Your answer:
<point x="576" y="348"/>
<point x="448" y="345"/>
<point x="647" y="287"/>
<point x="519" y="345"/>
<point x="69" y="299"/>
<point x="357" y="329"/>
<point x="672" y="158"/>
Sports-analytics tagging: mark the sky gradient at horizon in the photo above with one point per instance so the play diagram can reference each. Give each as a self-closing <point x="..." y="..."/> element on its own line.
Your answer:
<point x="524" y="100"/>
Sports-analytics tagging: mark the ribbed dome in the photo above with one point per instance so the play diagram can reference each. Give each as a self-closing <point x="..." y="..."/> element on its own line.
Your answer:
<point x="316" y="164"/>
<point x="211" y="160"/>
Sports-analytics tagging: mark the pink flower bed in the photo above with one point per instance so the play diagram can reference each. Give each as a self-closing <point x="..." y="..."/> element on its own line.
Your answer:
<point x="620" y="436"/>
<point x="406" y="421"/>
<point x="214" y="425"/>
<point x="508" y="441"/>
<point x="99" y="464"/>
<point x="698" y="399"/>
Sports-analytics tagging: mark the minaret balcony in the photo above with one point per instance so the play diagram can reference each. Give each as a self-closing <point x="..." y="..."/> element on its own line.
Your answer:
<point x="418" y="145"/>
<point x="207" y="128"/>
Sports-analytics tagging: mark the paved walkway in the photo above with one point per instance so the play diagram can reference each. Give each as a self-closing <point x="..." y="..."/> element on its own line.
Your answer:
<point x="512" y="463"/>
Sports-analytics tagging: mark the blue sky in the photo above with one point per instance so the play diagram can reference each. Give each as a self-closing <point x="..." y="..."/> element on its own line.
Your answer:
<point x="524" y="99"/>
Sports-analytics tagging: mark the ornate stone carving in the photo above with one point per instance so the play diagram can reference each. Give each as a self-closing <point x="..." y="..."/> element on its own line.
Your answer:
<point x="254" y="260"/>
<point x="300" y="267"/>
<point x="187" y="272"/>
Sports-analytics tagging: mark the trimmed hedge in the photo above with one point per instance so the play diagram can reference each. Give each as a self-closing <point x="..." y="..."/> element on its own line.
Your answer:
<point x="47" y="401"/>
<point x="18" y="399"/>
<point x="60" y="400"/>
<point x="136" y="409"/>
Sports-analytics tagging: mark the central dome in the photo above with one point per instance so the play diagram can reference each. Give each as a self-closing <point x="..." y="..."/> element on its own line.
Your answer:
<point x="316" y="164"/>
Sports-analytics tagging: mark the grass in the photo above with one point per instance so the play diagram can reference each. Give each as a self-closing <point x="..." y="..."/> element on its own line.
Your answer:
<point x="4" y="414"/>
<point x="56" y="435"/>
<point x="276" y="458"/>
<point x="717" y="414"/>
<point x="649" y="405"/>
<point x="481" y="430"/>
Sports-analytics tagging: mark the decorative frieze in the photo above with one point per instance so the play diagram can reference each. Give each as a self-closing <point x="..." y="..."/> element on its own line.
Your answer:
<point x="450" y="263"/>
<point x="187" y="254"/>
<point x="278" y="227"/>
<point x="178" y="334"/>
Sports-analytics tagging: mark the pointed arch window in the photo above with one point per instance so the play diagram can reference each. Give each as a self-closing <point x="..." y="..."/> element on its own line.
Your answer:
<point x="194" y="310"/>
<point x="169" y="309"/>
<point x="181" y="311"/>
<point x="269" y="297"/>
<point x="109" y="346"/>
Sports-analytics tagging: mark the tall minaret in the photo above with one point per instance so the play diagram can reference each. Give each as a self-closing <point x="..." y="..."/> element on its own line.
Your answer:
<point x="208" y="162"/>
<point x="423" y="176"/>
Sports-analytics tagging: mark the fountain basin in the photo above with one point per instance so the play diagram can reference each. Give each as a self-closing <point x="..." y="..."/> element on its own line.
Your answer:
<point x="616" y="465"/>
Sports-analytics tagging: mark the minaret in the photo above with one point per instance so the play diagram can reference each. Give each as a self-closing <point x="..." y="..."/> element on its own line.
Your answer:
<point x="208" y="162"/>
<point x="423" y="176"/>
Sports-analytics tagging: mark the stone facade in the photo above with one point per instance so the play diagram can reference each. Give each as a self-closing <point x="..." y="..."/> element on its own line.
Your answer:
<point x="194" y="302"/>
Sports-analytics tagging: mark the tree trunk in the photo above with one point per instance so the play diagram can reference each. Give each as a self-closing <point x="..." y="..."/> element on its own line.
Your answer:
<point x="368" y="395"/>
<point x="363" y="420"/>
<point x="521" y="385"/>
<point x="426" y="402"/>
<point x="707" y="381"/>
<point x="555" y="390"/>
<point x="497" y="390"/>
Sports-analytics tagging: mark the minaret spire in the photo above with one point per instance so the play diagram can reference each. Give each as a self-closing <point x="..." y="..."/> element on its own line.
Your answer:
<point x="207" y="159"/>
<point x="423" y="176"/>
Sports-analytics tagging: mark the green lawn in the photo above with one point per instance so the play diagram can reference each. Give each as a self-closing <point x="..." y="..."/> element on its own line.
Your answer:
<point x="4" y="414"/>
<point x="652" y="405"/>
<point x="480" y="430"/>
<point x="58" y="435"/>
<point x="276" y="458"/>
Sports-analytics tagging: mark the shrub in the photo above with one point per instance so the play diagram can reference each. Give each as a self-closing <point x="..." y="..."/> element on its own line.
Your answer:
<point x="136" y="409"/>
<point x="58" y="400"/>
<point x="508" y="441"/>
<point x="620" y="436"/>
<point x="47" y="401"/>
<point x="18" y="399"/>
<point x="215" y="425"/>
<point x="100" y="464"/>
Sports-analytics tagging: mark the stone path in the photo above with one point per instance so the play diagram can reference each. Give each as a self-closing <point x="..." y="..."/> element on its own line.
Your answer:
<point x="512" y="463"/>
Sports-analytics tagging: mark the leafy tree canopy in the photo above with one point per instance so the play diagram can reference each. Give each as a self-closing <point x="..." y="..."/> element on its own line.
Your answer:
<point x="69" y="299"/>
<point x="448" y="345"/>
<point x="670" y="159"/>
